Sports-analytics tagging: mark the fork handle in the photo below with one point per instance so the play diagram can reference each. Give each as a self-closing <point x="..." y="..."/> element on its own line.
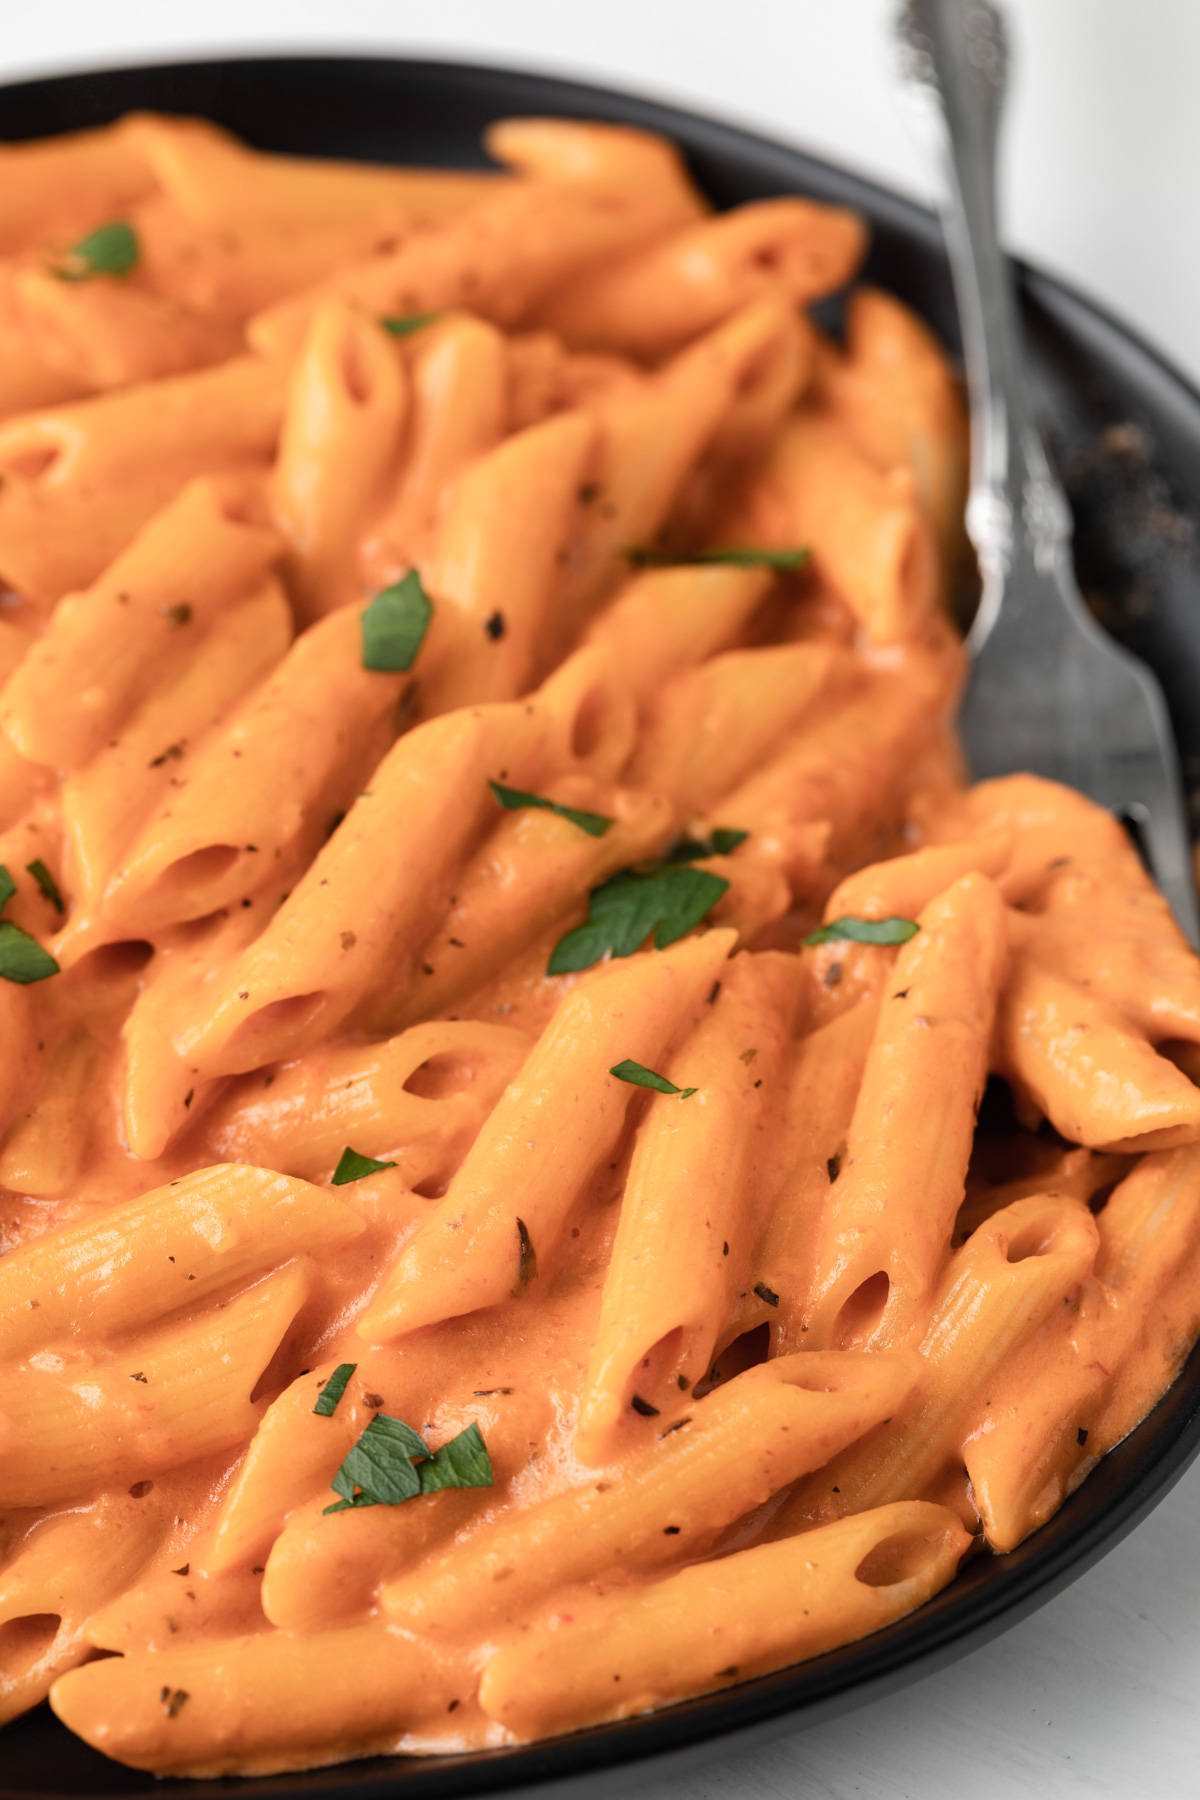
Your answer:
<point x="956" y="54"/>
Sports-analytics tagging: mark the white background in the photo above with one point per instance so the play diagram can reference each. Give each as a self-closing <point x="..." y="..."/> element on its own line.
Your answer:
<point x="1099" y="1693"/>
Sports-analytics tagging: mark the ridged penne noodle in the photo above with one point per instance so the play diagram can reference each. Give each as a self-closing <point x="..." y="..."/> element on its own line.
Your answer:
<point x="84" y="1419"/>
<point x="666" y="1641"/>
<point x="106" y="800"/>
<point x="1004" y="1283"/>
<point x="302" y="1115"/>
<point x="338" y="447"/>
<point x="56" y="185"/>
<point x="304" y="742"/>
<point x="731" y="1451"/>
<point x="888" y="1217"/>
<point x="171" y="1247"/>
<point x="189" y="564"/>
<point x="66" y="1566"/>
<point x="81" y="481"/>
<point x="652" y="304"/>
<point x="475" y="1249"/>
<point x="687" y="1225"/>
<point x="666" y="620"/>
<point x="109" y="336"/>
<point x="1090" y="1375"/>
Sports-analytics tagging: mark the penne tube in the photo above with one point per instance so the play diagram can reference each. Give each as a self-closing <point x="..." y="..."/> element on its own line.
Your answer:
<point x="997" y="1291"/>
<point x="106" y="800"/>
<point x="667" y="620"/>
<point x="419" y="1097"/>
<point x="707" y="1626"/>
<point x="264" y="793"/>
<point x="81" y="481"/>
<point x="19" y="1070"/>
<point x="548" y="1133"/>
<point x="652" y="304"/>
<point x="66" y="1566"/>
<point x="169" y="1248"/>
<point x="1089" y="1376"/>
<point x="338" y="447"/>
<point x="498" y="550"/>
<point x="713" y="725"/>
<point x="110" y="334"/>
<point x="190" y="563"/>
<point x="528" y="876"/>
<point x="581" y="153"/>
<point x="900" y="401"/>
<point x="727" y="1454"/>
<point x="53" y="186"/>
<point x="82" y="1419"/>
<point x="1076" y="1060"/>
<point x="458" y="376"/>
<point x="498" y="258"/>
<point x="687" y="1223"/>
<point x="823" y="1093"/>
<point x="262" y="1704"/>
<point x="887" y="1220"/>
<point x="901" y="887"/>
<point x="869" y="539"/>
<point x="384" y="878"/>
<point x="216" y="180"/>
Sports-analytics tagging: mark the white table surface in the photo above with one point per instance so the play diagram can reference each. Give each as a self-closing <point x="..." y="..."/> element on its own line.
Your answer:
<point x="1099" y="1693"/>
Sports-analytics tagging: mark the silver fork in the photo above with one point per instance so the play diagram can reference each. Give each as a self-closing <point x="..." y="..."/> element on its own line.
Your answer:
<point x="1049" y="691"/>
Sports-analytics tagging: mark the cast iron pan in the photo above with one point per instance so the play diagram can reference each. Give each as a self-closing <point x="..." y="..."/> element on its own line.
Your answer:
<point x="1125" y="432"/>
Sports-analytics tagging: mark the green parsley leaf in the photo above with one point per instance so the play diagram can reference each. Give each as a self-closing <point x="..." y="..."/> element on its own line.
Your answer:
<point x="380" y="1465"/>
<point x="394" y="625"/>
<point x="462" y="1463"/>
<point x="8" y="887"/>
<point x="352" y="1166"/>
<point x="629" y="906"/>
<point x="109" y="250"/>
<point x="736" y="556"/>
<point x="864" y="931"/>
<point x="595" y="824"/>
<point x="46" y="882"/>
<point x="333" y="1390"/>
<point x="22" y="958"/>
<point x="407" y="323"/>
<point x="723" y="842"/>
<point x="639" y="1076"/>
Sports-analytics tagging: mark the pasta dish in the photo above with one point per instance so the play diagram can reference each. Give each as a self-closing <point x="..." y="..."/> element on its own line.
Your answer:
<point x="555" y="1155"/>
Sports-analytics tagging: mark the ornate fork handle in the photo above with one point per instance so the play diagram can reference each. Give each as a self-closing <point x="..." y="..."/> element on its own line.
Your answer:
<point x="955" y="54"/>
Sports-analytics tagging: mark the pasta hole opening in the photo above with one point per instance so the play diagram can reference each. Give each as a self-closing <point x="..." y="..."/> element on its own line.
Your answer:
<point x="900" y="1557"/>
<point x="268" y="1032"/>
<point x="590" y="726"/>
<point x="434" y="1187"/>
<point x="439" y="1077"/>
<point x="117" y="962"/>
<point x="1036" y="1238"/>
<point x="34" y="463"/>
<point x="200" y="869"/>
<point x="25" y="1641"/>
<point x="862" y="1312"/>
<point x="657" y="1369"/>
<point x="745" y="1352"/>
<point x="357" y="376"/>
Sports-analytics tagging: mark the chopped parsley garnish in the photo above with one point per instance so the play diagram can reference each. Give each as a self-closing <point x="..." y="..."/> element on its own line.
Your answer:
<point x="405" y="324"/>
<point x="352" y="1166"/>
<point x="639" y="1076"/>
<point x="625" y="909"/>
<point x="734" y="556"/>
<point x="595" y="824"/>
<point x="109" y="250"/>
<point x="864" y="931"/>
<point x="391" y="1463"/>
<point x="46" y="882"/>
<point x="527" y="1266"/>
<point x="394" y="625"/>
<point x="333" y="1390"/>
<point x="22" y="958"/>
<point x="766" y="1293"/>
